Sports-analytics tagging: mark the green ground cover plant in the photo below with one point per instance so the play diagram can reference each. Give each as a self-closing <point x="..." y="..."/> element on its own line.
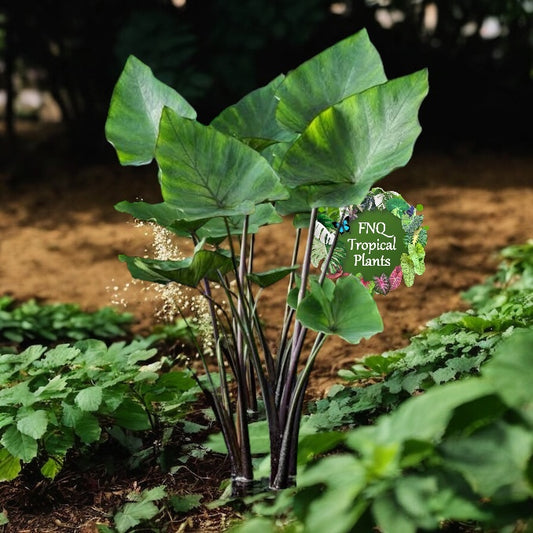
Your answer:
<point x="146" y="509"/>
<point x="71" y="397"/>
<point x="453" y="346"/>
<point x="319" y="137"/>
<point x="30" y="322"/>
<point x="458" y="457"/>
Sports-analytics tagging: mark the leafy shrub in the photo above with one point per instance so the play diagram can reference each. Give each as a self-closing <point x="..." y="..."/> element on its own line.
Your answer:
<point x="53" y="400"/>
<point x="460" y="452"/>
<point x="31" y="321"/>
<point x="453" y="346"/>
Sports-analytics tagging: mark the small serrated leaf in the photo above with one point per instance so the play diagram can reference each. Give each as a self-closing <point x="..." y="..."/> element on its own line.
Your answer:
<point x="34" y="424"/>
<point x="52" y="467"/>
<point x="87" y="428"/>
<point x="89" y="399"/>
<point x="19" y="445"/>
<point x="183" y="504"/>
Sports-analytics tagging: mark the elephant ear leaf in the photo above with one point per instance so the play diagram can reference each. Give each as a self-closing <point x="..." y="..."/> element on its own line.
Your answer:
<point x="345" y="309"/>
<point x="206" y="173"/>
<point x="348" y="67"/>
<point x="352" y="144"/>
<point x="189" y="271"/>
<point x="252" y="119"/>
<point x="138" y="99"/>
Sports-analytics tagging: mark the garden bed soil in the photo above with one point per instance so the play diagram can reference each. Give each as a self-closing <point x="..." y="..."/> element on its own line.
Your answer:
<point x="59" y="242"/>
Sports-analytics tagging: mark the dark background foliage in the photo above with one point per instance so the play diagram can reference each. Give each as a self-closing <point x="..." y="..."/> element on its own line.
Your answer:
<point x="215" y="51"/>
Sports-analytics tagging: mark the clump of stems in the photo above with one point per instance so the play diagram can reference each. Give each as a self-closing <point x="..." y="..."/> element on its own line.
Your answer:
<point x="259" y="373"/>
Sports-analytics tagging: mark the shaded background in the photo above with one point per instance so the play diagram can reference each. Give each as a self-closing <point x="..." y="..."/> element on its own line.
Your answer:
<point x="61" y="58"/>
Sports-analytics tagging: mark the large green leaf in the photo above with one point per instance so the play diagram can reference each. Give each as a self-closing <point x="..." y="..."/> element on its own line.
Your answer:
<point x="352" y="144"/>
<point x="265" y="279"/>
<point x="493" y="460"/>
<point x="312" y="445"/>
<point x="424" y="417"/>
<point x="511" y="370"/>
<point x="9" y="466"/>
<point x="429" y="498"/>
<point x="336" y="510"/>
<point x="345" y="309"/>
<point x="133" y="121"/>
<point x="33" y="424"/>
<point x="19" y="445"/>
<point x="89" y="399"/>
<point x="131" y="415"/>
<point x="299" y="201"/>
<point x="85" y="425"/>
<point x="252" y="119"/>
<point x="346" y="68"/>
<point x="215" y="229"/>
<point x="206" y="173"/>
<point x="87" y="428"/>
<point x="163" y="214"/>
<point x="189" y="271"/>
<point x="390" y="517"/>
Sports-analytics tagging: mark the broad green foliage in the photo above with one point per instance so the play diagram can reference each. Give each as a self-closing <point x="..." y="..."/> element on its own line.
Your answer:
<point x="352" y="144"/>
<point x="453" y="346"/>
<point x="133" y="122"/>
<point x="31" y="321"/>
<point x="143" y="508"/>
<point x="205" y="173"/>
<point x="341" y="309"/>
<point x="312" y="87"/>
<point x="52" y="400"/>
<point x="511" y="282"/>
<point x="319" y="137"/>
<point x="212" y="230"/>
<point x="189" y="271"/>
<point x="253" y="120"/>
<point x="459" y="452"/>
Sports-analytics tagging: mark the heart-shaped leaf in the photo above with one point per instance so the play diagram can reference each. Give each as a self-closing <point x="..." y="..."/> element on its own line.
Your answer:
<point x="189" y="271"/>
<point x="33" y="424"/>
<point x="9" y="466"/>
<point x="19" y="445"/>
<point x="215" y="229"/>
<point x="350" y="66"/>
<point x="163" y="214"/>
<point x="265" y="279"/>
<point x="133" y="121"/>
<point x="351" y="145"/>
<point x="206" y="173"/>
<point x="344" y="308"/>
<point x="252" y="119"/>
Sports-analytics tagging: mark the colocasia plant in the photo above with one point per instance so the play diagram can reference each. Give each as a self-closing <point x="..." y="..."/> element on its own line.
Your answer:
<point x="319" y="137"/>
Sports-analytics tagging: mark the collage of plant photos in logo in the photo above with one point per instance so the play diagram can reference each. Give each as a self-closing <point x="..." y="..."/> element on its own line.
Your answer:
<point x="381" y="241"/>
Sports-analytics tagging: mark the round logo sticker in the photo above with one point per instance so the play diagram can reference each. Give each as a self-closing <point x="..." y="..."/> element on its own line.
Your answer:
<point x="381" y="241"/>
